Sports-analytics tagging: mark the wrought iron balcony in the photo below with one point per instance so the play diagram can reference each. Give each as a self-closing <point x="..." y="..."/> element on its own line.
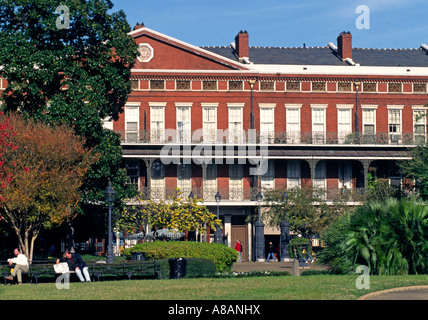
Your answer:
<point x="227" y="137"/>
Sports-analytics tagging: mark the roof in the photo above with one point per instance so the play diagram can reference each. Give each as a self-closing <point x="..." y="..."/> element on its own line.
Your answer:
<point x="328" y="57"/>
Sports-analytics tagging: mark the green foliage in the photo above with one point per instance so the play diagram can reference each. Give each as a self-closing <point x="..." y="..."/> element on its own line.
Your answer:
<point x="390" y="237"/>
<point x="306" y="210"/>
<point x="294" y="247"/>
<point x="221" y="255"/>
<point x="75" y="76"/>
<point x="417" y="169"/>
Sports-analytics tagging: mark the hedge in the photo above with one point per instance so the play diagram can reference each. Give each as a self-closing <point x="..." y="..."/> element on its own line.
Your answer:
<point x="221" y="255"/>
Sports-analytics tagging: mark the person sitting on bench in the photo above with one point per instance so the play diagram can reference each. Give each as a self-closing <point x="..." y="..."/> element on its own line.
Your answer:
<point x="21" y="265"/>
<point x="76" y="263"/>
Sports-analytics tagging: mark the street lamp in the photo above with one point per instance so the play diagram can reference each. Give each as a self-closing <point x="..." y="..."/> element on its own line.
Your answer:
<point x="260" y="232"/>
<point x="285" y="231"/>
<point x="357" y="85"/>
<point x="218" y="233"/>
<point x="110" y="194"/>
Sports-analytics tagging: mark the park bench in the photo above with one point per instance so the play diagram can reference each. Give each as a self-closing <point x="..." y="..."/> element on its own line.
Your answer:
<point x="126" y="268"/>
<point x="37" y="269"/>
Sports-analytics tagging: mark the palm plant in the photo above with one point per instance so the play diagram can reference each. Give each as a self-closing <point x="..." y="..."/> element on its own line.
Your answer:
<point x="390" y="237"/>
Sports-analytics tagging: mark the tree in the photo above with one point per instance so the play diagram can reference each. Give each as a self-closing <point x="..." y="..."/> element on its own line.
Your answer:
<point x="417" y="169"/>
<point x="48" y="166"/>
<point x="177" y="213"/>
<point x="306" y="210"/>
<point x="71" y="64"/>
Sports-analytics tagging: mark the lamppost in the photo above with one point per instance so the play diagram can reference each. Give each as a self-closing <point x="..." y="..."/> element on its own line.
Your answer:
<point x="110" y="194"/>
<point x="218" y="233"/>
<point x="260" y="232"/>
<point x="285" y="231"/>
<point x="357" y="85"/>
<point x="252" y="82"/>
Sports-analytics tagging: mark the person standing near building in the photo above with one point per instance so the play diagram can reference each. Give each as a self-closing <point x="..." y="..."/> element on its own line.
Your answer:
<point x="238" y="247"/>
<point x="21" y="265"/>
<point x="270" y="254"/>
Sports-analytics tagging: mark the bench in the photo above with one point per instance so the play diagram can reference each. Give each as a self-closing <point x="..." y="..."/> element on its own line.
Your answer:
<point x="126" y="268"/>
<point x="36" y="269"/>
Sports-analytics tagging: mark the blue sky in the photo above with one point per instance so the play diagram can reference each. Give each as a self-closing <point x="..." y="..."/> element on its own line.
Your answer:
<point x="284" y="23"/>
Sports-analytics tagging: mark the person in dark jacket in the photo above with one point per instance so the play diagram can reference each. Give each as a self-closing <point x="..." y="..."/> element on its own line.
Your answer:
<point x="270" y="252"/>
<point x="75" y="263"/>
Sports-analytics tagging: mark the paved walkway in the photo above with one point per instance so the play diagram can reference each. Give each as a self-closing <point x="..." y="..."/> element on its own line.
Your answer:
<point x="405" y="293"/>
<point x="272" y="266"/>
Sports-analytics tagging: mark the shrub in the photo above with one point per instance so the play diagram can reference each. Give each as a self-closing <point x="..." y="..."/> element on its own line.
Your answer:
<point x="221" y="255"/>
<point x="390" y="237"/>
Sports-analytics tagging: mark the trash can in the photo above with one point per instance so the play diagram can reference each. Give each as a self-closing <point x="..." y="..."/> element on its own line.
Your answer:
<point x="138" y="256"/>
<point x="177" y="268"/>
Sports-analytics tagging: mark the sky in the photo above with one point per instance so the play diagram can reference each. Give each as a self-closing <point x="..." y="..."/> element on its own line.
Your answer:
<point x="392" y="24"/>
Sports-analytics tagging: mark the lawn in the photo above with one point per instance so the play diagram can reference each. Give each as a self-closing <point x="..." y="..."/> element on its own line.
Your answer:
<point x="318" y="287"/>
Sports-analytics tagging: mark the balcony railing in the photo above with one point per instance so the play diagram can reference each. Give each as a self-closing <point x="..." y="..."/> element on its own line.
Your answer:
<point x="270" y="138"/>
<point x="248" y="194"/>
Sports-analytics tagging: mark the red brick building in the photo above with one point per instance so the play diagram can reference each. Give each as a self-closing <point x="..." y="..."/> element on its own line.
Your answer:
<point x="321" y="116"/>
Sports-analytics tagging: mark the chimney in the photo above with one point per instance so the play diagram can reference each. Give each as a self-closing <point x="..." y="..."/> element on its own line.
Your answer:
<point x="138" y="26"/>
<point x="242" y="45"/>
<point x="344" y="45"/>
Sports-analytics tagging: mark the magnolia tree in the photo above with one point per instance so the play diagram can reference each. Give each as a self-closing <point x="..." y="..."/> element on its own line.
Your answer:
<point x="47" y="166"/>
<point x="178" y="213"/>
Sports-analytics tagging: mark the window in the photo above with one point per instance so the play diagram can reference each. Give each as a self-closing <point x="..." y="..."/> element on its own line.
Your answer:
<point x="235" y="85"/>
<point x="182" y="85"/>
<point x="236" y="134"/>
<point x="157" y="182"/>
<point x="135" y="84"/>
<point x="133" y="171"/>
<point x="210" y="183"/>
<point x="394" y="125"/>
<point x="267" y="128"/>
<point x="293" y="86"/>
<point x="268" y="179"/>
<point x="293" y="173"/>
<point x="293" y="124"/>
<point x="318" y="124"/>
<point x="209" y="85"/>
<point x="369" y="125"/>
<point x="157" y="122"/>
<point x="419" y="88"/>
<point x="236" y="174"/>
<point x="344" y="87"/>
<point x="209" y="124"/>
<point x="344" y="123"/>
<point x="320" y="179"/>
<point x="267" y="86"/>
<point x="345" y="175"/>
<point x="157" y="84"/>
<point x="318" y="86"/>
<point x="184" y="131"/>
<point x="419" y="126"/>
<point x="132" y="119"/>
<point x="184" y="179"/>
<point x="394" y="87"/>
<point x="369" y="87"/>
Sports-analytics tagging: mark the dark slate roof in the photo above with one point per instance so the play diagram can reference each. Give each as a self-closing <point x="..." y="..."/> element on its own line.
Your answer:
<point x="326" y="56"/>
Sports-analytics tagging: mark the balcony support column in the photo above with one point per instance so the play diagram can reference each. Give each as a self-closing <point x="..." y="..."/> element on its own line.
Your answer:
<point x="204" y="179"/>
<point x="366" y="165"/>
<point x="312" y="166"/>
<point x="149" y="165"/>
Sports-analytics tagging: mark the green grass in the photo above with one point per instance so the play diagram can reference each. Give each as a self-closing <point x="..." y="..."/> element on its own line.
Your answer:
<point x="320" y="287"/>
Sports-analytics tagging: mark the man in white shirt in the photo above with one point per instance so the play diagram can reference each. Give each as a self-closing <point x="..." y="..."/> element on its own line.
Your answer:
<point x="21" y="265"/>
